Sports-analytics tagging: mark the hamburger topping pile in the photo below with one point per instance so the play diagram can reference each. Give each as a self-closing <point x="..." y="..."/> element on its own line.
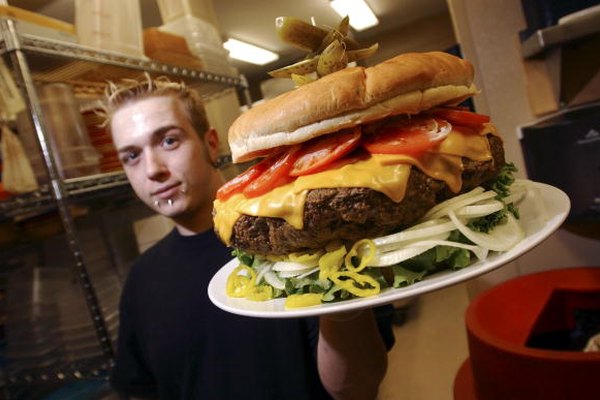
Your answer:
<point x="329" y="50"/>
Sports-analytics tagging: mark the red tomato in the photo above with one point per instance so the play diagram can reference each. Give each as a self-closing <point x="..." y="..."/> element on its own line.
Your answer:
<point x="354" y="157"/>
<point x="461" y="117"/>
<point x="316" y="155"/>
<point x="237" y="184"/>
<point x="275" y="175"/>
<point x="408" y="137"/>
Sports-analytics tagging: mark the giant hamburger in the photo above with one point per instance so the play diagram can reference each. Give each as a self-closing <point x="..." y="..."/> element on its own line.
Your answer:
<point x="358" y="154"/>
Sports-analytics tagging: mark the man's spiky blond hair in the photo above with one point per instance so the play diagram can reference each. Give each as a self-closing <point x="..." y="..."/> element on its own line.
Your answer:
<point x="128" y="91"/>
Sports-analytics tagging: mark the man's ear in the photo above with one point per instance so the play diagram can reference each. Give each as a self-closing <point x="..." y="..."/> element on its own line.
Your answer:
<point x="211" y="140"/>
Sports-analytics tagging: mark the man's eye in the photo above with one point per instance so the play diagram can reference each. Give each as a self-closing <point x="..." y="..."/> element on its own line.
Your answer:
<point x="129" y="157"/>
<point x="170" y="142"/>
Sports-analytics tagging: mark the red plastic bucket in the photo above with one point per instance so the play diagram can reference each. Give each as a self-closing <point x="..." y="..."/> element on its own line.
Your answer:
<point x="509" y="328"/>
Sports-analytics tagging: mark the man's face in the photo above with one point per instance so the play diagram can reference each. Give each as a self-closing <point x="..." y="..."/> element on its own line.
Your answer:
<point x="166" y="162"/>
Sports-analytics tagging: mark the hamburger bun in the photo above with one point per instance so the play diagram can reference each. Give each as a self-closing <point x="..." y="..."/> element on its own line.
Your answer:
<point x="406" y="84"/>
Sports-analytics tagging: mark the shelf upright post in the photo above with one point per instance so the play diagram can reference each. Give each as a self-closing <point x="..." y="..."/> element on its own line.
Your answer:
<point x="244" y="91"/>
<point x="18" y="58"/>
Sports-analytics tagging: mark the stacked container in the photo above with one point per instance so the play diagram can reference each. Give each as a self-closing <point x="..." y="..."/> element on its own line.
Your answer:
<point x="114" y="25"/>
<point x="196" y="22"/>
<point x="68" y="137"/>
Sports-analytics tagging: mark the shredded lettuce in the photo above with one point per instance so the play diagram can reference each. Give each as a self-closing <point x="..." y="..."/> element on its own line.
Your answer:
<point x="501" y="185"/>
<point x="243" y="257"/>
<point x="405" y="277"/>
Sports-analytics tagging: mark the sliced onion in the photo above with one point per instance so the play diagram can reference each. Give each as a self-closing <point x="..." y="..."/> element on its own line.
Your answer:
<point x="266" y="267"/>
<point x="480" y="210"/>
<point x="272" y="279"/>
<point x="451" y="201"/>
<point x="423" y="230"/>
<point x="502" y="238"/>
<point x="437" y="129"/>
<point x="399" y="245"/>
<point x="292" y="274"/>
<point x="397" y="256"/>
<point x="480" y="252"/>
<point x="457" y="202"/>
<point x="307" y="273"/>
<point x="290" y="266"/>
<point x="518" y="191"/>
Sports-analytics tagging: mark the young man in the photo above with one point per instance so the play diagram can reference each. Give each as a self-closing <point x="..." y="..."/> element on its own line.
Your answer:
<point x="173" y="342"/>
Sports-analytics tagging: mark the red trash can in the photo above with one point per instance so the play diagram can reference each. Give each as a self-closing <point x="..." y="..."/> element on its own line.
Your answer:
<point x="524" y="337"/>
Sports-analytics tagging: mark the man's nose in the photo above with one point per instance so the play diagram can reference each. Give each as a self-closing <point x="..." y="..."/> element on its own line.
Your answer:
<point x="155" y="167"/>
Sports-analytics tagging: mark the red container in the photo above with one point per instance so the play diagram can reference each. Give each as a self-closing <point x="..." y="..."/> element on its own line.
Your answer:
<point x="508" y="327"/>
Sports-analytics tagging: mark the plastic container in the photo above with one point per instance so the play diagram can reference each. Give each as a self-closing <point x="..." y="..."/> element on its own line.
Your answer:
<point x="171" y="10"/>
<point x="114" y="25"/>
<point x="67" y="135"/>
<point x="204" y="42"/>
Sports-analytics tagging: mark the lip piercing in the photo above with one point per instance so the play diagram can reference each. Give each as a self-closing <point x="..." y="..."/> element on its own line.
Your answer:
<point x="157" y="203"/>
<point x="183" y="189"/>
<point x="170" y="202"/>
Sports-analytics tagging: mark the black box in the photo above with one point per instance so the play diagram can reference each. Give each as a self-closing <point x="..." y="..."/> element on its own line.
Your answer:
<point x="563" y="150"/>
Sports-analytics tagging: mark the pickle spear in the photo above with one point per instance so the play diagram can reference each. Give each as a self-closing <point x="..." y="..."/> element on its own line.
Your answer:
<point x="340" y="33"/>
<point x="361" y="54"/>
<point x="332" y="59"/>
<point x="299" y="33"/>
<point x="300" y="68"/>
<point x="300" y="80"/>
<point x="308" y="66"/>
<point x="329" y="50"/>
<point x="312" y="38"/>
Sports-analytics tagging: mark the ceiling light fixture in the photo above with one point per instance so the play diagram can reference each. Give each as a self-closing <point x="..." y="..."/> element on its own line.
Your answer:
<point x="249" y="53"/>
<point x="361" y="16"/>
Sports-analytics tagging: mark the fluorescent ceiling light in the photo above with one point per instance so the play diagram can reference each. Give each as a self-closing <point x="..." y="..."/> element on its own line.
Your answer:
<point x="249" y="53"/>
<point x="361" y="16"/>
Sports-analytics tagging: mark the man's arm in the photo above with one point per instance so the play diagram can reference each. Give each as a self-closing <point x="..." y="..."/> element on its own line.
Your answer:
<point x="351" y="355"/>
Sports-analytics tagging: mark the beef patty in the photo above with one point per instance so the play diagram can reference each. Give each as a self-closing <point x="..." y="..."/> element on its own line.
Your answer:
<point x="351" y="214"/>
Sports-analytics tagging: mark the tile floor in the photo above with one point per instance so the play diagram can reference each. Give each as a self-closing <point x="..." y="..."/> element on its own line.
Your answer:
<point x="430" y="346"/>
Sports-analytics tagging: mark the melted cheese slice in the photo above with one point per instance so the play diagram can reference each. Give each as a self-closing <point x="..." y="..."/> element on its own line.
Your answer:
<point x="387" y="174"/>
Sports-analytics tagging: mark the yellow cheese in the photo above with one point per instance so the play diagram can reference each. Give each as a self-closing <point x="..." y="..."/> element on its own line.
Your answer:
<point x="287" y="201"/>
<point x="384" y="173"/>
<point x="462" y="142"/>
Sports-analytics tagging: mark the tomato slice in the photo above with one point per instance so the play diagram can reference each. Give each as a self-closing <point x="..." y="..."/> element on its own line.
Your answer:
<point x="275" y="175"/>
<point x="461" y="117"/>
<point x="408" y="137"/>
<point x="357" y="155"/>
<point x="237" y="184"/>
<point x="316" y="155"/>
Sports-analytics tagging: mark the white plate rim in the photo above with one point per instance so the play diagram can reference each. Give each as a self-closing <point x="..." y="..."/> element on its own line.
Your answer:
<point x="556" y="203"/>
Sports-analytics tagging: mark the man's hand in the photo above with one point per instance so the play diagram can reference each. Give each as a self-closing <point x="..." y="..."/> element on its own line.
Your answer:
<point x="351" y="355"/>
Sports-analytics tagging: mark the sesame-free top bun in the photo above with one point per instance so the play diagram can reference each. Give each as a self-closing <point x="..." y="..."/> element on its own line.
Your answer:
<point x="406" y="84"/>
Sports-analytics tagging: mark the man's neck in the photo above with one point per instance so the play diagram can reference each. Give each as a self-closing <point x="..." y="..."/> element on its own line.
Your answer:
<point x="191" y="226"/>
<point x="185" y="230"/>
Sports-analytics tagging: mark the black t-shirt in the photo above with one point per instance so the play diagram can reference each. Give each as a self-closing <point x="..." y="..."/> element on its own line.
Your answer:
<point x="175" y="344"/>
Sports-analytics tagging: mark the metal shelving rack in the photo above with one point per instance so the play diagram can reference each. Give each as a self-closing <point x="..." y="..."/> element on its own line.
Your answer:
<point x="34" y="59"/>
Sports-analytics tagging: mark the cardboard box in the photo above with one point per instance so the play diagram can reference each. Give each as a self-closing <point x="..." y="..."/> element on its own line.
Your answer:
<point x="564" y="76"/>
<point x="169" y="48"/>
<point x="562" y="62"/>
